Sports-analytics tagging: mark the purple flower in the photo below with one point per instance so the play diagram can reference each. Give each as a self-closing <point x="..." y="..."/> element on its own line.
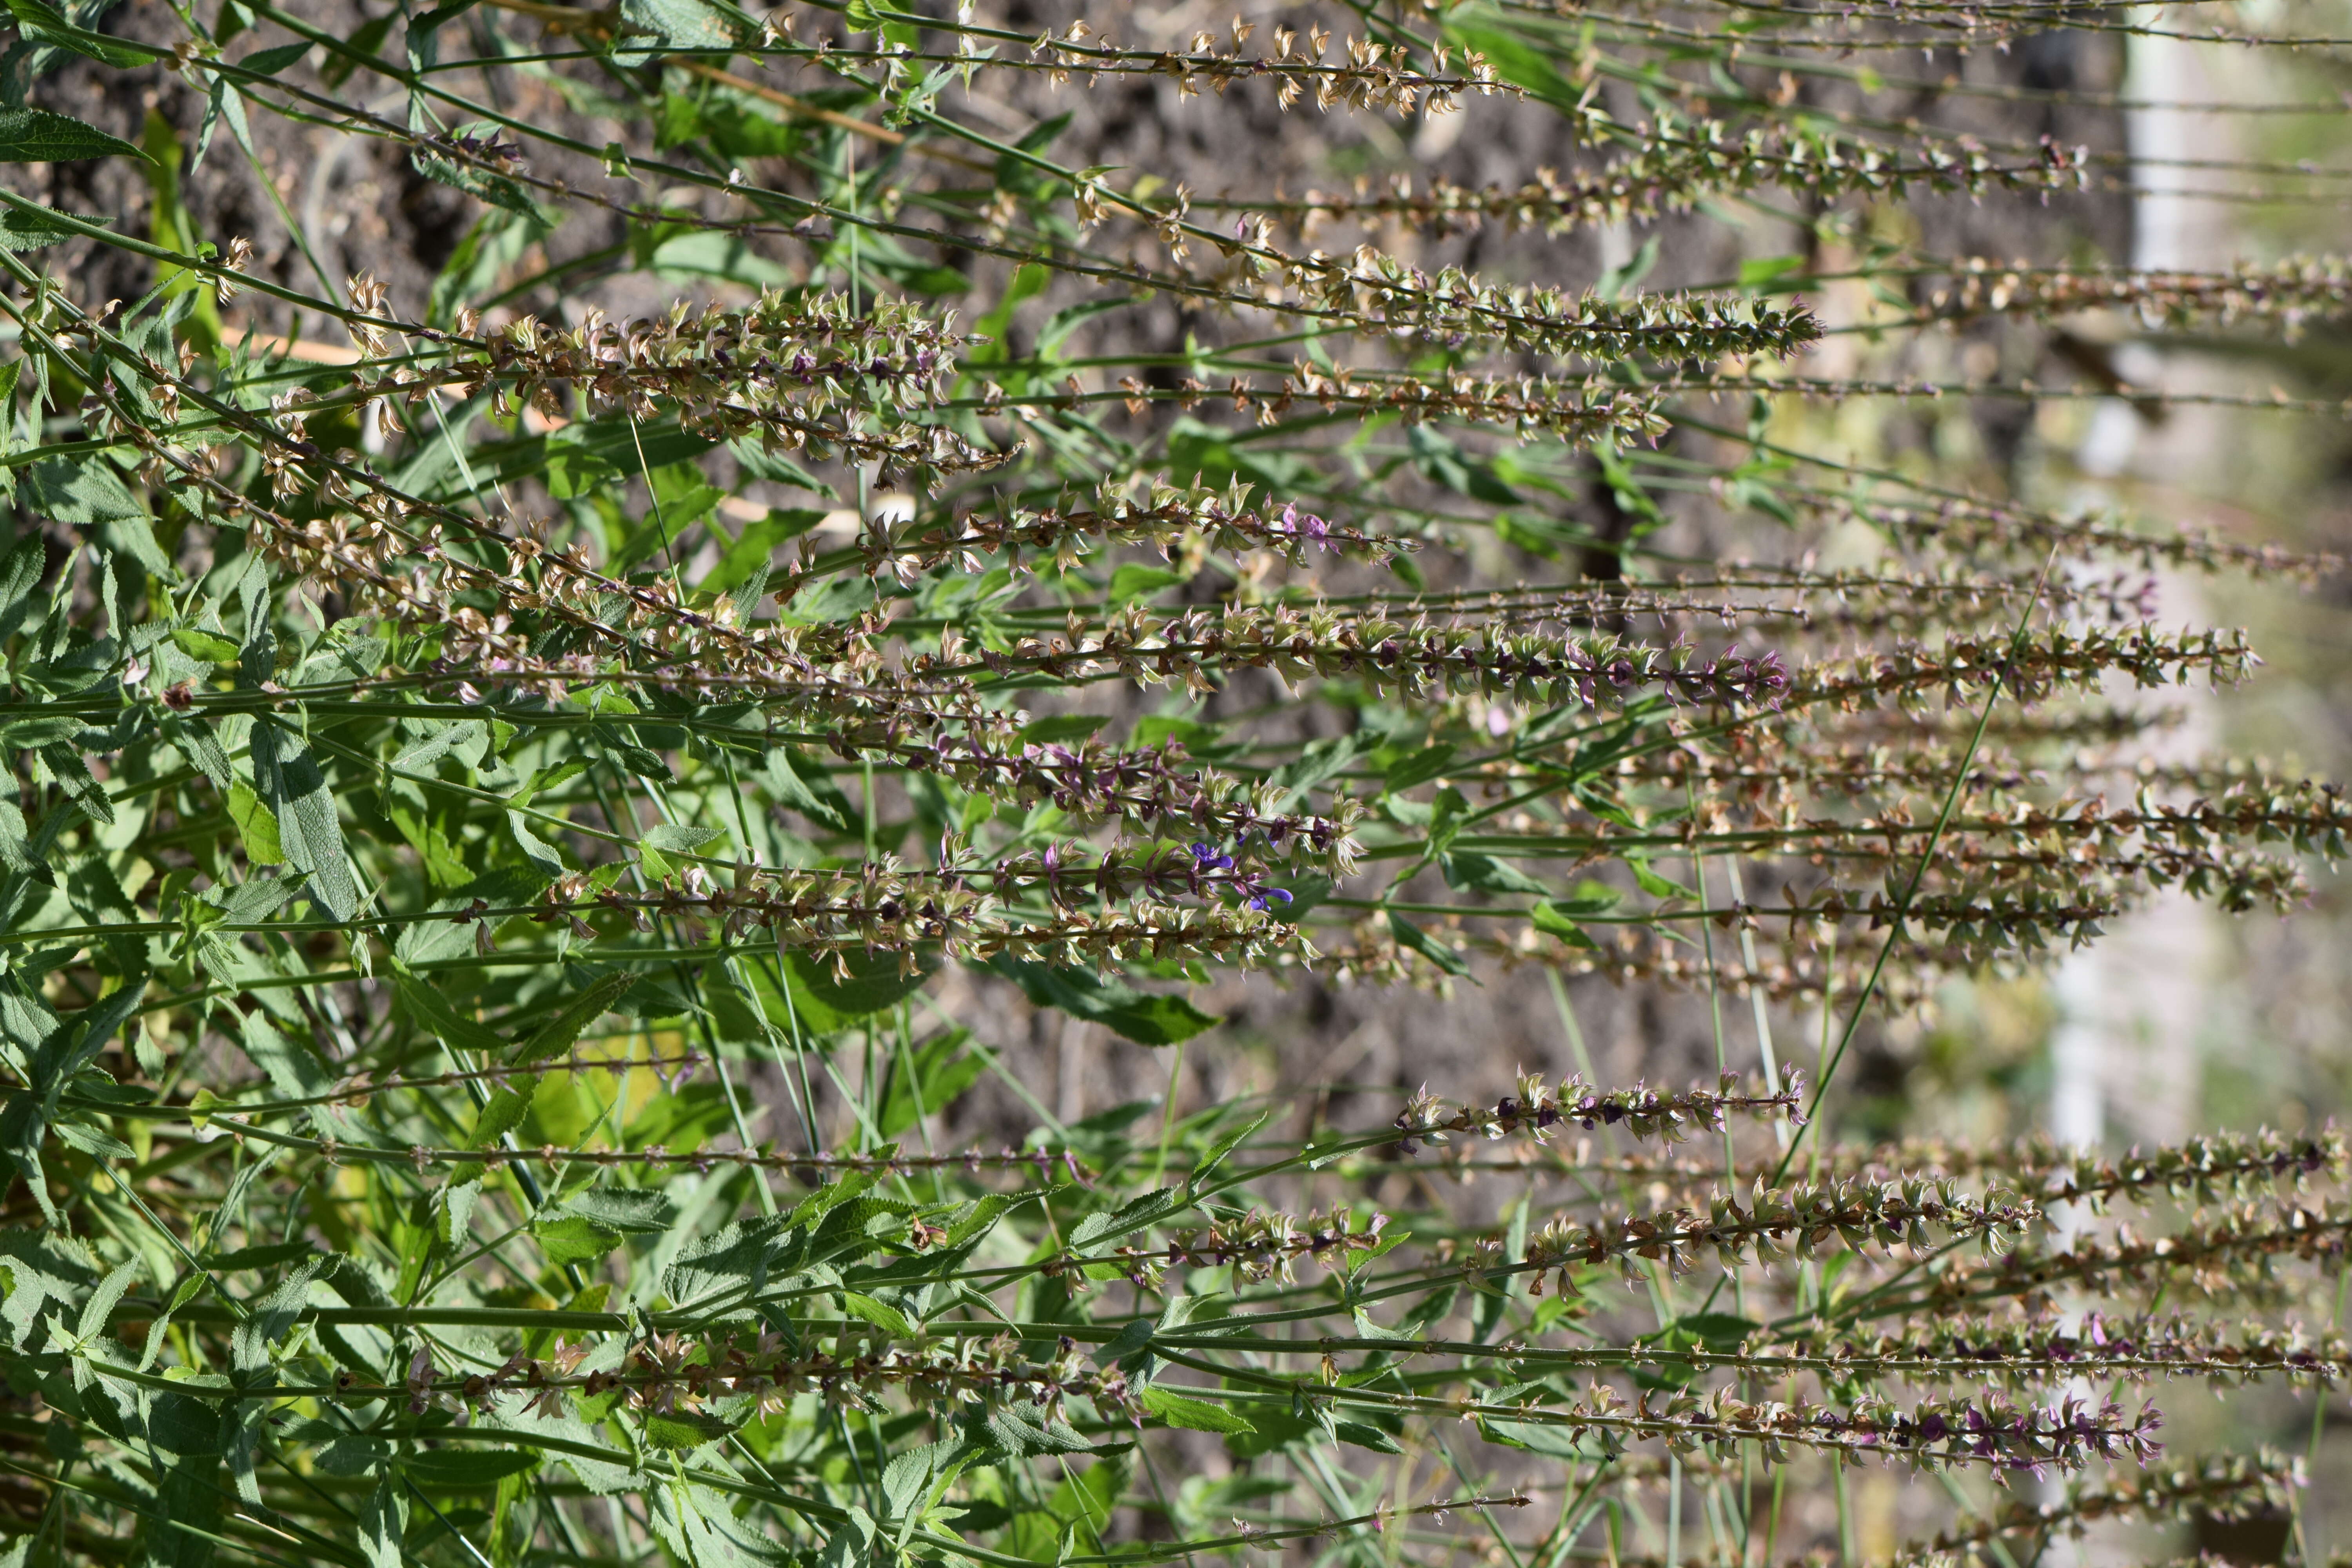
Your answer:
<point x="1306" y="526"/>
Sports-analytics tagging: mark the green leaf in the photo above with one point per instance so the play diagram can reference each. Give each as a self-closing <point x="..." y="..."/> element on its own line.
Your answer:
<point x="906" y="1481"/>
<point x="1590" y="898"/>
<point x="1758" y="271"/>
<point x="269" y="1322"/>
<point x="1517" y="59"/>
<point x="1649" y="883"/>
<point x="847" y="1547"/>
<point x="131" y="536"/>
<point x="799" y="786"/>
<point x="557" y="1035"/>
<point x="599" y="1220"/>
<point x="1063" y="727"/>
<point x="1440" y="459"/>
<point x="28" y="225"/>
<point x="310" y="833"/>
<point x="100" y="1308"/>
<point x="1555" y="1442"/>
<point x="1194" y="1415"/>
<point x="1274" y="1429"/>
<point x="474" y="1467"/>
<point x="929" y="279"/>
<point x="678" y="1431"/>
<point x="1198" y="738"/>
<point x="1134" y="1339"/>
<point x="84" y="489"/>
<point x="734" y="129"/>
<point x="467" y="738"/>
<point x="1069" y="320"/>
<point x="1219" y="1151"/>
<point x="499" y="1115"/>
<point x="1148" y="1018"/>
<point x="1718" y="1331"/>
<point x="203" y="645"/>
<point x="1626" y="488"/>
<point x="664" y="839"/>
<point x="38" y="733"/>
<point x="572" y="1239"/>
<point x="1549" y="918"/>
<point x="1418" y="769"/>
<point x="39" y="24"/>
<point x="15" y="843"/>
<point x="1412" y="936"/>
<point x="604" y="448"/>
<point x="1537" y="534"/>
<point x="689" y="23"/>
<point x="1028" y="280"/>
<point x="256" y="825"/>
<point x="19" y="575"/>
<point x="92" y="1142"/>
<point x="1447" y="810"/>
<point x="778" y="468"/>
<point x="363" y="44"/>
<point x="1484" y="874"/>
<point x="1130" y="1216"/>
<point x="1211" y="454"/>
<point x="1615" y="282"/>
<point x="942" y="1070"/>
<point x="1317" y="762"/>
<point x="535" y="850"/>
<point x="274" y="1255"/>
<point x="467" y="173"/>
<point x="825" y="1002"/>
<point x="681" y="838"/>
<point x="427" y="1007"/>
<point x="711" y="253"/>
<point x="37" y="136"/>
<point x="1135" y="581"/>
<point x="632" y="1210"/>
<point x="890" y="1320"/>
<point x="385" y="1520"/>
<point x="183" y="1438"/>
<point x="269" y="62"/>
<point x="1364" y="1435"/>
<point x="751" y="555"/>
<point x="295" y="1069"/>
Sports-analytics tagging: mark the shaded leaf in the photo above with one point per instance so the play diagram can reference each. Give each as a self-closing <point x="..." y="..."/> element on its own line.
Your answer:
<point x="472" y="1468"/>
<point x="41" y="24"/>
<point x="256" y="825"/>
<point x="1554" y="921"/>
<point x="38" y="136"/>
<point x="1412" y="936"/>
<point x="1148" y="1018"/>
<point x="83" y="489"/>
<point x="558" y="1034"/>
<point x="1194" y="1415"/>
<point x="824" y="1000"/>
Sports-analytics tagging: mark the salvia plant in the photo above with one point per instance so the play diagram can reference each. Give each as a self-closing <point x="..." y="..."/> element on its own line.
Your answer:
<point x="506" y="753"/>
